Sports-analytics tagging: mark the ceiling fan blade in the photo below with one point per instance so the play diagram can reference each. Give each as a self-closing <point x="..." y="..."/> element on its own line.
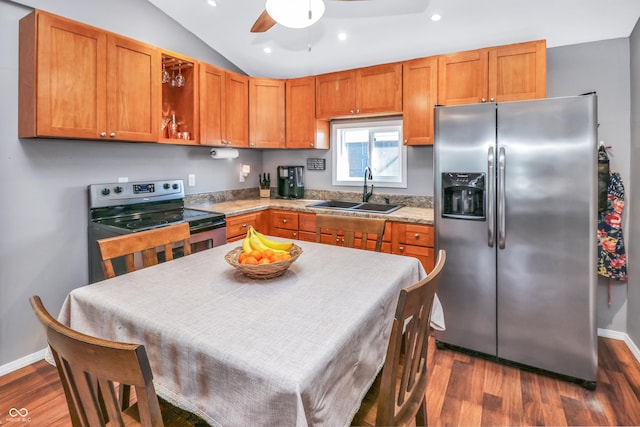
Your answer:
<point x="263" y="23"/>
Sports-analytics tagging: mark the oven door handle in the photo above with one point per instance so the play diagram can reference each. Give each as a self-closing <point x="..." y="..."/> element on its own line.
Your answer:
<point x="205" y="226"/>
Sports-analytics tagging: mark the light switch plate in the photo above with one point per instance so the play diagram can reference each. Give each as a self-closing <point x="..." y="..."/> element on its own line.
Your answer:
<point x="192" y="180"/>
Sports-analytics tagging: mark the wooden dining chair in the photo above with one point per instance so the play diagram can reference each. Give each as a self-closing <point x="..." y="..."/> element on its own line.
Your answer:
<point x="343" y="230"/>
<point x="144" y="242"/>
<point x="398" y="397"/>
<point x="97" y="376"/>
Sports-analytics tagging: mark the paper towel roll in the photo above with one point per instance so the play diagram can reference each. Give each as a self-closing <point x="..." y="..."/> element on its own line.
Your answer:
<point x="224" y="153"/>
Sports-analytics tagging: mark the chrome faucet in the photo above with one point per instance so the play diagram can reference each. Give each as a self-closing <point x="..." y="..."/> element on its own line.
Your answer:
<point x="365" y="194"/>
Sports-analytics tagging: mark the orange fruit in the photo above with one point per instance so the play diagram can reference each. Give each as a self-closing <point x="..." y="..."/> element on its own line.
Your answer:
<point x="250" y="260"/>
<point x="256" y="254"/>
<point x="242" y="256"/>
<point x="267" y="253"/>
<point x="285" y="256"/>
<point x="264" y="260"/>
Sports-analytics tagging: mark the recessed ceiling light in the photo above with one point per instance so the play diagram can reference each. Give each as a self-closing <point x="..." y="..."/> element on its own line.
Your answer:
<point x="436" y="17"/>
<point x="267" y="50"/>
<point x="342" y="36"/>
<point x="212" y="2"/>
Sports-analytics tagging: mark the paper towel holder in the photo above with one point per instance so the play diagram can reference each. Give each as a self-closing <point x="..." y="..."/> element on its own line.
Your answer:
<point x="224" y="153"/>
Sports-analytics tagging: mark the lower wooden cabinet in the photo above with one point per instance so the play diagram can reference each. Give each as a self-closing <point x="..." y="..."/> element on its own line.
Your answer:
<point x="401" y="238"/>
<point x="283" y="224"/>
<point x="414" y="240"/>
<point x="237" y="226"/>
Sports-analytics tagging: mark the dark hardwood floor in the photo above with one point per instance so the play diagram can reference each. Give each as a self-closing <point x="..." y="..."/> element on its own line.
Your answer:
<point x="463" y="391"/>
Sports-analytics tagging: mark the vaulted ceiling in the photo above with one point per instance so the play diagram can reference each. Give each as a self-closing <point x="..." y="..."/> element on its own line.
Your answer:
<point x="379" y="31"/>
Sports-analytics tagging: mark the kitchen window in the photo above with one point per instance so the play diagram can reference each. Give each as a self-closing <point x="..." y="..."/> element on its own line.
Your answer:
<point x="376" y="143"/>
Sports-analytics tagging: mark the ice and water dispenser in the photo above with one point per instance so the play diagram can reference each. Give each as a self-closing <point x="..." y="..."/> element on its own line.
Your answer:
<point x="463" y="195"/>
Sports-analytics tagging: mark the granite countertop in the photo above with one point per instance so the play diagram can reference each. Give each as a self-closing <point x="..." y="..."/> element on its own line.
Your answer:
<point x="238" y="207"/>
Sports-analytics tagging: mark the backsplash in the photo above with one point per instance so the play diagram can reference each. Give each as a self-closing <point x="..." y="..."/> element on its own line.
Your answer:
<point x="253" y="193"/>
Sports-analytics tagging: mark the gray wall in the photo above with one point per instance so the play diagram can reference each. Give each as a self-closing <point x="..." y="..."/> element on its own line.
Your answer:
<point x="602" y="67"/>
<point x="633" y="294"/>
<point x="43" y="249"/>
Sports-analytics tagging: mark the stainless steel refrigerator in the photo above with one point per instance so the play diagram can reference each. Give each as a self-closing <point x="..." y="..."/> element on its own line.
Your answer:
<point x="516" y="210"/>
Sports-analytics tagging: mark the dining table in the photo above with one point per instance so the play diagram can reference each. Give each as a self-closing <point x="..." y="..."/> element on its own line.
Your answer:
<point x="300" y="349"/>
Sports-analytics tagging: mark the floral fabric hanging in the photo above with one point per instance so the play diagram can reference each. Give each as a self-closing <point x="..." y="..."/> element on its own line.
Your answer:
<point x="612" y="260"/>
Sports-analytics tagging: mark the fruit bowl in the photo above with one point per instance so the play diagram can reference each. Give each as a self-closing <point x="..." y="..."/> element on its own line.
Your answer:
<point x="263" y="271"/>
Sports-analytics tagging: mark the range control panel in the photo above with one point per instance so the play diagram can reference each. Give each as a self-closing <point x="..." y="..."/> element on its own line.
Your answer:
<point x="125" y="193"/>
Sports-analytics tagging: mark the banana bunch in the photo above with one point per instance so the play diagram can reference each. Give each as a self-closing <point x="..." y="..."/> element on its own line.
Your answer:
<point x="258" y="241"/>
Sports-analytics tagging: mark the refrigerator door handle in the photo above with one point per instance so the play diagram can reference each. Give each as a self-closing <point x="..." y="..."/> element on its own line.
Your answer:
<point x="491" y="179"/>
<point x="501" y="199"/>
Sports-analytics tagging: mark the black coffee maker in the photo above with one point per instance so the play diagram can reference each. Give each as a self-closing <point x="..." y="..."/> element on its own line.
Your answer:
<point x="290" y="182"/>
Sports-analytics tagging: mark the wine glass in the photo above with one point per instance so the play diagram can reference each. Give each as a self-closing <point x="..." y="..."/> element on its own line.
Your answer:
<point x="173" y="78"/>
<point x="165" y="74"/>
<point x="180" y="78"/>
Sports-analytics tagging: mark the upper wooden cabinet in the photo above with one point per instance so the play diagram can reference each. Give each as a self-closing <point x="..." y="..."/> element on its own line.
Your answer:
<point x="224" y="107"/>
<point x="303" y="130"/>
<point x="77" y="81"/>
<point x="180" y="89"/>
<point x="518" y="71"/>
<point x="266" y="113"/>
<point x="420" y="91"/>
<point x="373" y="90"/>
<point x="497" y="74"/>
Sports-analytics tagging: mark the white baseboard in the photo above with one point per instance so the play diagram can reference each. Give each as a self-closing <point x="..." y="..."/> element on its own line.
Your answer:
<point x="608" y="333"/>
<point x="22" y="362"/>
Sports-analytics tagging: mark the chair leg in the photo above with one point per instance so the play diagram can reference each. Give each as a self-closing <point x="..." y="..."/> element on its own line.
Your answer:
<point x="421" y="415"/>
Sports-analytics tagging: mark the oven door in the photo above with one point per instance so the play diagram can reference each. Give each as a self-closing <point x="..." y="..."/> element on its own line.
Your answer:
<point x="207" y="236"/>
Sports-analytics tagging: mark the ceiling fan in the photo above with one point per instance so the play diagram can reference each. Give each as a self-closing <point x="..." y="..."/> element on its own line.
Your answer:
<point x="290" y="13"/>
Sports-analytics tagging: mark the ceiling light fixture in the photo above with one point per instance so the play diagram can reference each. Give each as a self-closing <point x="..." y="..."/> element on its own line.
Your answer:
<point x="212" y="2"/>
<point x="436" y="17"/>
<point x="267" y="50"/>
<point x="295" y="13"/>
<point x="342" y="36"/>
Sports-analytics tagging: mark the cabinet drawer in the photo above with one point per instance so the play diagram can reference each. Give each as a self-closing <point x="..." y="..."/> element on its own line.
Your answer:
<point x="424" y="254"/>
<point x="239" y="225"/>
<point x="285" y="233"/>
<point x="284" y="219"/>
<point x="419" y="235"/>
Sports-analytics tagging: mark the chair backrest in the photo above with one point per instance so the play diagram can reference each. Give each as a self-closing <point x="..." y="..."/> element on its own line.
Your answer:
<point x="403" y="386"/>
<point x="89" y="369"/>
<point x="144" y="242"/>
<point x="343" y="230"/>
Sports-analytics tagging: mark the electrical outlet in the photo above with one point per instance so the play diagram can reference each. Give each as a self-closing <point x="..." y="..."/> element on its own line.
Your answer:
<point x="123" y="179"/>
<point x="192" y="180"/>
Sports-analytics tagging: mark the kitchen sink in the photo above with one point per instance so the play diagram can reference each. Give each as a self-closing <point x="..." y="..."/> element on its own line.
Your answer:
<point x="355" y="206"/>
<point x="376" y="207"/>
<point x="335" y="204"/>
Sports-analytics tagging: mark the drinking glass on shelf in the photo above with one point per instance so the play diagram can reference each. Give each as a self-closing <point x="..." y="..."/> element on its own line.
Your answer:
<point x="180" y="80"/>
<point x="165" y="74"/>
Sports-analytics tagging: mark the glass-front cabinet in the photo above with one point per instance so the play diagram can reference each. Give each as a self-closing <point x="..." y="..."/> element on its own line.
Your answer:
<point x="180" y="118"/>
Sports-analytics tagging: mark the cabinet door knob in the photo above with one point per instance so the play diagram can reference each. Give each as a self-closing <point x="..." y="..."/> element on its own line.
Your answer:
<point x="417" y="236"/>
<point x="358" y="111"/>
<point x="244" y="225"/>
<point x="112" y="134"/>
<point x="401" y="248"/>
<point x="483" y="100"/>
<point x="492" y="99"/>
<point x="284" y="221"/>
<point x="103" y="134"/>
<point x="351" y="111"/>
<point x="295" y="234"/>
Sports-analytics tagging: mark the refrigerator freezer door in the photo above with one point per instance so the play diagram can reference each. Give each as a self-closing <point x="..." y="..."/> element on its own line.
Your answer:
<point x="546" y="271"/>
<point x="464" y="136"/>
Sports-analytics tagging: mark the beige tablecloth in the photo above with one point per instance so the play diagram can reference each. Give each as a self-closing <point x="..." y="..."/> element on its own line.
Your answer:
<point x="297" y="350"/>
